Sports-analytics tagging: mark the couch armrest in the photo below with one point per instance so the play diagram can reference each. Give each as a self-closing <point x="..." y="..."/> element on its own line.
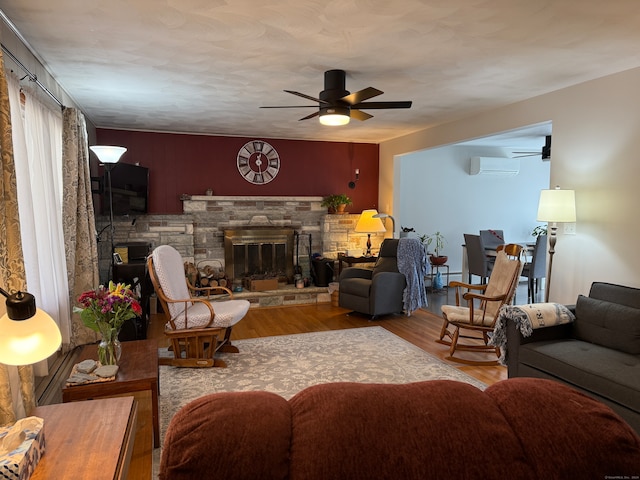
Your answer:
<point x="387" y="288"/>
<point x="515" y="339"/>
<point x="356" y="272"/>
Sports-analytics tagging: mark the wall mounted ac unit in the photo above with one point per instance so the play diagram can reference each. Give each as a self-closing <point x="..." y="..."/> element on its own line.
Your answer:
<point x="494" y="166"/>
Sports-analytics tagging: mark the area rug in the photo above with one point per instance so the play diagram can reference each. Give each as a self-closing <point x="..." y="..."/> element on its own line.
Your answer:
<point x="289" y="363"/>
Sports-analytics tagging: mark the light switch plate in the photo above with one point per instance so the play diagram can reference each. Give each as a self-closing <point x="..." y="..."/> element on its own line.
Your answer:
<point x="569" y="228"/>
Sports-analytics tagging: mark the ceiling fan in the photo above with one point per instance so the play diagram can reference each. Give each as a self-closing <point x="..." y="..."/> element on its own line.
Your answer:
<point x="545" y="152"/>
<point x="336" y="105"/>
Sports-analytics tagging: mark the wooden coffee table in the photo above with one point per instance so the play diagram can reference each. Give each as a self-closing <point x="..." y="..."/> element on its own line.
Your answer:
<point x="138" y="372"/>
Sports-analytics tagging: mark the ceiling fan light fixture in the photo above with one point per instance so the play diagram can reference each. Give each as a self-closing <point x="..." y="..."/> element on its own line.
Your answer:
<point x="334" y="116"/>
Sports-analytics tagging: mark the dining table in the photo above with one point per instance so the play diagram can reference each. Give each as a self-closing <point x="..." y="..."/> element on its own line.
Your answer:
<point x="527" y="250"/>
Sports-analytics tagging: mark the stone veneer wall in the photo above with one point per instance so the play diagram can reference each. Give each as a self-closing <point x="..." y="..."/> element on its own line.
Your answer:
<point x="198" y="233"/>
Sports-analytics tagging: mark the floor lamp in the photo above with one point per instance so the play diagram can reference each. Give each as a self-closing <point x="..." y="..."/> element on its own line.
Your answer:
<point x="555" y="206"/>
<point x="368" y="223"/>
<point x="393" y="222"/>
<point x="108" y="156"/>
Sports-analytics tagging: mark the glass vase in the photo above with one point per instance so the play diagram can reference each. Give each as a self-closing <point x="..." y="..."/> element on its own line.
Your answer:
<point x="109" y="349"/>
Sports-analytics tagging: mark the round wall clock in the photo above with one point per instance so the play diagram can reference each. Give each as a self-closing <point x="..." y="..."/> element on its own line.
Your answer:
<point x="258" y="162"/>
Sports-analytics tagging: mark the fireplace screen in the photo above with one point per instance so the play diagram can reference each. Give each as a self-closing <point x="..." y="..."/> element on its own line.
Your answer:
<point x="259" y="251"/>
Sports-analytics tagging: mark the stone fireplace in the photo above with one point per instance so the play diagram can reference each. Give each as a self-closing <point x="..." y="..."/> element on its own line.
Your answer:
<point x="259" y="250"/>
<point x="200" y="232"/>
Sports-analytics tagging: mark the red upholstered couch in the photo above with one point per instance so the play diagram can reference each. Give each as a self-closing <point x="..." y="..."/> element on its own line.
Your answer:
<point x="519" y="428"/>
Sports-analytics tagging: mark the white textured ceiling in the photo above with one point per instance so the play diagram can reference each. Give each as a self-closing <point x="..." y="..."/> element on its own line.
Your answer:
<point x="205" y="66"/>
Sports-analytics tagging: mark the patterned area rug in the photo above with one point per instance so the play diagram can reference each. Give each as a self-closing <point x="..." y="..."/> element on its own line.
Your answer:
<point x="289" y="363"/>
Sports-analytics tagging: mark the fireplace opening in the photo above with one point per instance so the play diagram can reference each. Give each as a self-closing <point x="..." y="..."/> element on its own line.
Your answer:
<point x="259" y="251"/>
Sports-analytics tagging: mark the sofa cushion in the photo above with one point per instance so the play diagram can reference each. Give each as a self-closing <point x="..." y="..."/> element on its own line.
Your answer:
<point x="588" y="438"/>
<point x="422" y="430"/>
<point x="608" y="373"/>
<point x="608" y="324"/>
<point x="234" y="436"/>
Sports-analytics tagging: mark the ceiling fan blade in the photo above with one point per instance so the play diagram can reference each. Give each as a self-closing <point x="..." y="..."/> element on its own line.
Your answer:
<point x="381" y="105"/>
<point x="313" y="99"/>
<point x="291" y="106"/>
<point x="358" y="115"/>
<point x="361" y="96"/>
<point x="314" y="114"/>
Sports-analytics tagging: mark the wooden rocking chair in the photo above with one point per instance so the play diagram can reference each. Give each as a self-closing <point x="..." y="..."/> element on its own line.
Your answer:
<point x="196" y="326"/>
<point x="481" y="310"/>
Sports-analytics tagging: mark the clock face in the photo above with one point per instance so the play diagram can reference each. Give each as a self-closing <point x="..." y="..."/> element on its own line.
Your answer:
<point x="258" y="162"/>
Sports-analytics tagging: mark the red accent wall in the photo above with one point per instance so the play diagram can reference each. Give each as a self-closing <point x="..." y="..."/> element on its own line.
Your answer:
<point x="190" y="164"/>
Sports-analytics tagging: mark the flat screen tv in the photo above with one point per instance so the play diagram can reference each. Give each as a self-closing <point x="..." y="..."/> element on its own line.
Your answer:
<point x="130" y="188"/>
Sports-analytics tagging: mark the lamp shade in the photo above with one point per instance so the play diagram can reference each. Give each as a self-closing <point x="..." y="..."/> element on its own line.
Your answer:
<point x="367" y="223"/>
<point x="23" y="342"/>
<point x="108" y="153"/>
<point x="557" y="206"/>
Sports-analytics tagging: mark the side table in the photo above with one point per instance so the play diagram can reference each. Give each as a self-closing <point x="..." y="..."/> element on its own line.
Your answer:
<point x="138" y="372"/>
<point x="351" y="260"/>
<point x="87" y="440"/>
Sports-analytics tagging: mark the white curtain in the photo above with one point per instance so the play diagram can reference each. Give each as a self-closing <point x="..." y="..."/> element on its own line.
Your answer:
<point x="37" y="139"/>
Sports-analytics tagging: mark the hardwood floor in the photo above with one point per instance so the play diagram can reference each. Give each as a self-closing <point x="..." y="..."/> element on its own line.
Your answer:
<point x="422" y="329"/>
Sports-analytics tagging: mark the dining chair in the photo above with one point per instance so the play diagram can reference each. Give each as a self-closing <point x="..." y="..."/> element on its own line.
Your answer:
<point x="477" y="259"/>
<point x="492" y="238"/>
<point x="511" y="249"/>
<point x="536" y="269"/>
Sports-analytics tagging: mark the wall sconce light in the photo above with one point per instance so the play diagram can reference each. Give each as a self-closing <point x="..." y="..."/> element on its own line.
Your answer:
<point x="27" y="334"/>
<point x="368" y="223"/>
<point x="555" y="206"/>
<point x="352" y="184"/>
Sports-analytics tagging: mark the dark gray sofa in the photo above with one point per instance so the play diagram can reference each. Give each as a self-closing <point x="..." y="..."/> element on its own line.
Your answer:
<point x="598" y="354"/>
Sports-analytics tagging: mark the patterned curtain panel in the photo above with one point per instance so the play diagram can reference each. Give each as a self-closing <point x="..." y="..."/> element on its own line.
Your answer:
<point x="77" y="218"/>
<point x="12" y="273"/>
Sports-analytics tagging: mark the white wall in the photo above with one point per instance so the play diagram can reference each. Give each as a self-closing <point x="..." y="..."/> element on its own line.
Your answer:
<point x="596" y="150"/>
<point x="438" y="194"/>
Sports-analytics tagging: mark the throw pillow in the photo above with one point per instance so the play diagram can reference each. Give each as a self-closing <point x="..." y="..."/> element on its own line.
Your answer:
<point x="608" y="324"/>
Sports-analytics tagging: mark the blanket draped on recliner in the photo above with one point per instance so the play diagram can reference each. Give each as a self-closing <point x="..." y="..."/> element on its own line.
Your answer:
<point x="412" y="262"/>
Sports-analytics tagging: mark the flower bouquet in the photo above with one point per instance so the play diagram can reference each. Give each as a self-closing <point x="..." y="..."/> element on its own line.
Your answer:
<point x="104" y="310"/>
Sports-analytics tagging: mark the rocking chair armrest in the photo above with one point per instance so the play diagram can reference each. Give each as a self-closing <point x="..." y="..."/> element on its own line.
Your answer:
<point x="222" y="290"/>
<point x="460" y="286"/>
<point x="470" y="296"/>
<point x="469" y="286"/>
<point x="194" y="300"/>
<point x="210" y="290"/>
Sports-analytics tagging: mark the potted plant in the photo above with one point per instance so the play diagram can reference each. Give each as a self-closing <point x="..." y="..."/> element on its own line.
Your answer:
<point x="539" y="230"/>
<point x="336" y="203"/>
<point x="438" y="241"/>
